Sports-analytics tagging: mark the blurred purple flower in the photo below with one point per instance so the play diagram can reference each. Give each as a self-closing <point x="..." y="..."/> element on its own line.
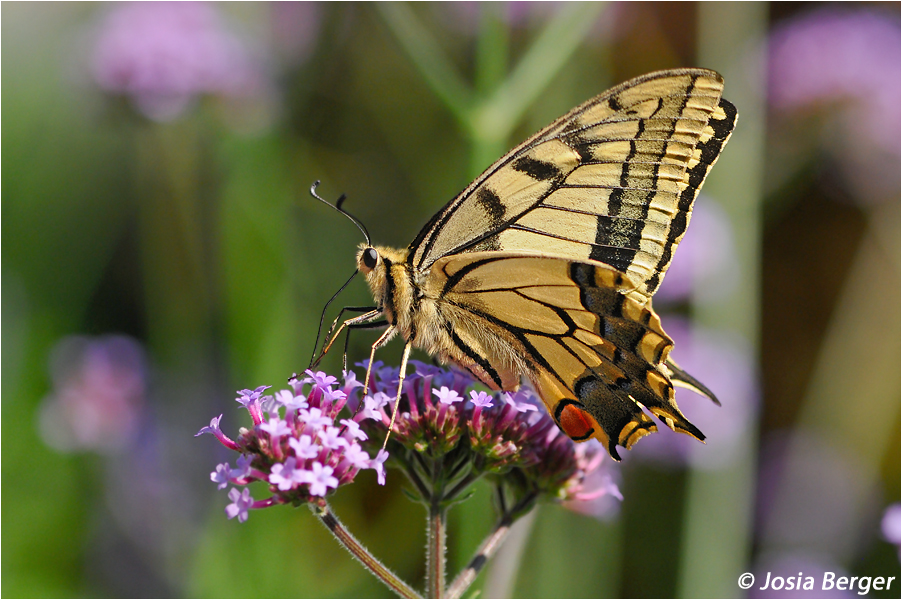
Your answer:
<point x="891" y="526"/>
<point x="705" y="265"/>
<point x="594" y="492"/>
<point x="834" y="54"/>
<point x="98" y="396"/>
<point x="726" y="367"/>
<point x="165" y="54"/>
<point x="845" y="60"/>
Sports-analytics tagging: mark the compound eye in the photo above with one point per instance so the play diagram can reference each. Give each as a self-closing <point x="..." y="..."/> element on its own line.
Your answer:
<point x="370" y="258"/>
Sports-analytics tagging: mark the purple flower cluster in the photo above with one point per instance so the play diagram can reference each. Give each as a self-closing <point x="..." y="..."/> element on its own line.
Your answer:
<point x="446" y="436"/>
<point x="470" y="433"/>
<point x="298" y="445"/>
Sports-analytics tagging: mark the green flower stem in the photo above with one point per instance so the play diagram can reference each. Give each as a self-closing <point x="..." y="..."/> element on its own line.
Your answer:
<point x="423" y="50"/>
<point x="435" y="551"/>
<point x="561" y="37"/>
<point x="358" y="551"/>
<point x="172" y="228"/>
<point x="489" y="113"/>
<point x="493" y="117"/>
<point x="492" y="45"/>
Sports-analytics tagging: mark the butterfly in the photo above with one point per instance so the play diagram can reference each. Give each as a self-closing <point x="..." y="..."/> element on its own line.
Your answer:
<point x="545" y="266"/>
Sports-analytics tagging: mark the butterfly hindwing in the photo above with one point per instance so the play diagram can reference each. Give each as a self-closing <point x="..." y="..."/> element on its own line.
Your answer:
<point x="594" y="354"/>
<point x="611" y="181"/>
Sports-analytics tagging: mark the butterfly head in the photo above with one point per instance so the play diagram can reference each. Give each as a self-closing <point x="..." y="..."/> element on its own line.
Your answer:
<point x="368" y="259"/>
<point x="385" y="270"/>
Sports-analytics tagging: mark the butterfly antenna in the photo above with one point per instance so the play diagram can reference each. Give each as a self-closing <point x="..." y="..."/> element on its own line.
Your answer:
<point x="337" y="207"/>
<point x="322" y="317"/>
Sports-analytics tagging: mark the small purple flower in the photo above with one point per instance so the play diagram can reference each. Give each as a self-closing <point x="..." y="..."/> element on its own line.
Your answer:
<point x="243" y="467"/>
<point x="321" y="379"/>
<point x="251" y="401"/>
<point x="481" y="399"/>
<point x="334" y="395"/>
<point x="357" y="457"/>
<point x="350" y="381"/>
<point x="290" y="400"/>
<point x="315" y="418"/>
<point x="286" y="475"/>
<point x="221" y="475"/>
<point x="215" y="430"/>
<point x="372" y="405"/>
<point x="321" y="479"/>
<point x="248" y="396"/>
<point x="241" y="502"/>
<point x="353" y="429"/>
<point x="446" y="396"/>
<point x="213" y="427"/>
<point x="331" y="438"/>
<point x="304" y="447"/>
<point x="276" y="428"/>
<point x="378" y="464"/>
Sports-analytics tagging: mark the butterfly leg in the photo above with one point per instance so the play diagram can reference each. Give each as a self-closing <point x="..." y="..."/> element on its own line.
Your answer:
<point x="358" y="309"/>
<point x="376" y="345"/>
<point x="359" y="320"/>
<point x="394" y="413"/>
<point x="382" y="324"/>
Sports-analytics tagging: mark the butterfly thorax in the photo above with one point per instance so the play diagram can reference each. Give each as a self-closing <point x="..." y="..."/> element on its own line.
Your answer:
<point x="415" y="306"/>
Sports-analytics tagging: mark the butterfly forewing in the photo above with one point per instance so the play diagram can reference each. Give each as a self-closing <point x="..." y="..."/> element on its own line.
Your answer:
<point x="611" y="181"/>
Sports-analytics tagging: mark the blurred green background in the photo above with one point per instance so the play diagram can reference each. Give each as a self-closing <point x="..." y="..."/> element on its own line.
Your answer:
<point x="160" y="250"/>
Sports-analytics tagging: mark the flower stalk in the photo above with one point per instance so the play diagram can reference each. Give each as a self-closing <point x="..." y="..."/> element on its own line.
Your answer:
<point x="324" y="512"/>
<point x="435" y="553"/>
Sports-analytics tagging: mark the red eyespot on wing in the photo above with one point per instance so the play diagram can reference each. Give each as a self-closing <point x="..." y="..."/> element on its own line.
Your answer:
<point x="574" y="423"/>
